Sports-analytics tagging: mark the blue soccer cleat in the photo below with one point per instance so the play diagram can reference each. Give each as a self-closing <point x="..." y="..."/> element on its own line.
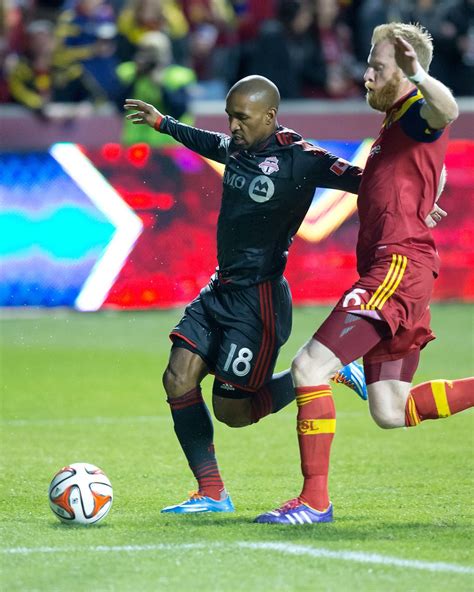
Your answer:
<point x="295" y="512"/>
<point x="353" y="376"/>
<point x="198" y="504"/>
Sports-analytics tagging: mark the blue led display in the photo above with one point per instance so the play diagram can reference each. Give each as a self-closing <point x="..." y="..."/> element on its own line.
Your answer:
<point x="51" y="234"/>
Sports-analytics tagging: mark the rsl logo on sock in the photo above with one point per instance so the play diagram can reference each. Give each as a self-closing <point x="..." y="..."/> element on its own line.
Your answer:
<point x="306" y="427"/>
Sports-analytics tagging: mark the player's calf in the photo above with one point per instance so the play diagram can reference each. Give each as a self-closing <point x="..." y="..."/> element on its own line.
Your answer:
<point x="233" y="414"/>
<point x="231" y="404"/>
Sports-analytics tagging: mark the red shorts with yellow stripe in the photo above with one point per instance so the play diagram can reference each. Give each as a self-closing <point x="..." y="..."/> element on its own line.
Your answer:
<point x="397" y="290"/>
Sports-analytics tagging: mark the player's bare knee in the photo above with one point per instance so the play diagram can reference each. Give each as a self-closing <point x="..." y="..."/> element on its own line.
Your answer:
<point x="387" y="419"/>
<point x="300" y="368"/>
<point x="175" y="383"/>
<point x="312" y="370"/>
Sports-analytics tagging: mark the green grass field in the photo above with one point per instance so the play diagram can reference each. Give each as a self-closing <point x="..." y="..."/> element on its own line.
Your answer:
<point x="87" y="387"/>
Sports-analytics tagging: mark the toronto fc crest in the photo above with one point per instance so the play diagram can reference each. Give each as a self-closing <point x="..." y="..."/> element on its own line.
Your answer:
<point x="269" y="165"/>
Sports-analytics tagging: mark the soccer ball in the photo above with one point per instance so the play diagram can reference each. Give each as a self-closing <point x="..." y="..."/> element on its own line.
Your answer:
<point x="80" y="494"/>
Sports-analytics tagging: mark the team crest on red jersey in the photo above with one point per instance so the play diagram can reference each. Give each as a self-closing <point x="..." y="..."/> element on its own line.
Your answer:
<point x="375" y="150"/>
<point x="269" y="165"/>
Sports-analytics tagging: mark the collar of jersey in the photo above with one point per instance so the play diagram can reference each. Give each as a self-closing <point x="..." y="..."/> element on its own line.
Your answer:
<point x="264" y="144"/>
<point x="401" y="106"/>
<point x="272" y="140"/>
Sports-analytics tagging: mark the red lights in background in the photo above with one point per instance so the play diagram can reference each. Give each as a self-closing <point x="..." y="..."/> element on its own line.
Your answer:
<point x="111" y="152"/>
<point x="138" y="154"/>
<point x="147" y="200"/>
<point x="179" y="206"/>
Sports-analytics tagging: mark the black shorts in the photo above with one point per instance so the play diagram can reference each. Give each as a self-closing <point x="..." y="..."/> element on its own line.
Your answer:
<point x="238" y="332"/>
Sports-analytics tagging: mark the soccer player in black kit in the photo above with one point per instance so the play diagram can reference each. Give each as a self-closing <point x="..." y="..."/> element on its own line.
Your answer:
<point x="236" y="326"/>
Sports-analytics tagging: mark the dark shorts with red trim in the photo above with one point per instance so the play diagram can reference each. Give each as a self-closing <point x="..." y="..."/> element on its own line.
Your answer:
<point x="238" y="332"/>
<point x="396" y="290"/>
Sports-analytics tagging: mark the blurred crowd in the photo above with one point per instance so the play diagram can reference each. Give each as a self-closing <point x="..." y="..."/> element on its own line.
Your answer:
<point x="85" y="53"/>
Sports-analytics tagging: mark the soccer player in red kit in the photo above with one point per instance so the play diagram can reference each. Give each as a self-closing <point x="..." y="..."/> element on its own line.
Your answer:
<point x="385" y="315"/>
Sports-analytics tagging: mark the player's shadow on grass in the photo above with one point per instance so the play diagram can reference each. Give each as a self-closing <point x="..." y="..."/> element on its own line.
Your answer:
<point x="203" y="520"/>
<point x="343" y="529"/>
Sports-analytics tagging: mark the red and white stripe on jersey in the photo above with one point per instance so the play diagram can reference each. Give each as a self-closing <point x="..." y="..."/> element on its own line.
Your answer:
<point x="286" y="136"/>
<point x="267" y="346"/>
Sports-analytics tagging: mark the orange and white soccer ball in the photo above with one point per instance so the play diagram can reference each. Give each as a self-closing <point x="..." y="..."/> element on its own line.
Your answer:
<point x="80" y="493"/>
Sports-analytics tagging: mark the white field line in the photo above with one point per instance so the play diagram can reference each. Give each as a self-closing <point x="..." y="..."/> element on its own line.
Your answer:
<point x="359" y="557"/>
<point x="66" y="421"/>
<point x="284" y="548"/>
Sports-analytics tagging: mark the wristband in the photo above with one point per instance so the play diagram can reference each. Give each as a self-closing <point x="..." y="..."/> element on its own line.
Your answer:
<point x="418" y="76"/>
<point x="158" y="123"/>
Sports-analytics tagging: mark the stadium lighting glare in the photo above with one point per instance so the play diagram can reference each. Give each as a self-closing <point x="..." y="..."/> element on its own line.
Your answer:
<point x="333" y="206"/>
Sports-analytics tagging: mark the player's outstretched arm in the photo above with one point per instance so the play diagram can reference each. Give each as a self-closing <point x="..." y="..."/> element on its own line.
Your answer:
<point x="144" y="113"/>
<point x="209" y="144"/>
<point x="440" y="108"/>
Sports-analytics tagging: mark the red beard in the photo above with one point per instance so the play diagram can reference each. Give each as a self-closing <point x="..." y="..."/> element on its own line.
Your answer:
<point x="383" y="99"/>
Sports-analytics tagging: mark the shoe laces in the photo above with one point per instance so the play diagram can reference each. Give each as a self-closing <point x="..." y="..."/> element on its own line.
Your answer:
<point x="341" y="379"/>
<point x="195" y="495"/>
<point x="290" y="505"/>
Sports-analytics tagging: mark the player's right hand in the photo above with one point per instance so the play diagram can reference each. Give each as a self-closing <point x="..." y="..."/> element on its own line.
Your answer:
<point x="144" y="113"/>
<point x="435" y="216"/>
<point x="405" y="56"/>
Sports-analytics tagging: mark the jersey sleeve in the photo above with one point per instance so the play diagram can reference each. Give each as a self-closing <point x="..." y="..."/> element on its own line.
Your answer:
<point x="320" y="168"/>
<point x="417" y="128"/>
<point x="208" y="144"/>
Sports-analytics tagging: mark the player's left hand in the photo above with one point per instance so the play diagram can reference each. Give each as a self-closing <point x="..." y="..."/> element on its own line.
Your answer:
<point x="405" y="56"/>
<point x="435" y="216"/>
<point x="144" y="113"/>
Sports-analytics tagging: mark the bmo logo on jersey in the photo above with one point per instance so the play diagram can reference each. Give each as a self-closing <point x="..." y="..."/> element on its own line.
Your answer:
<point x="261" y="188"/>
<point x="233" y="180"/>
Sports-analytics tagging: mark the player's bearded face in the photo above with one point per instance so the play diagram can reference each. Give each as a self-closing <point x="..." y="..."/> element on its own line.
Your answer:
<point x="384" y="97"/>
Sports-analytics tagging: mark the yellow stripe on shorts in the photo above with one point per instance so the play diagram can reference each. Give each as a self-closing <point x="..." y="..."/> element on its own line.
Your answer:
<point x="390" y="291"/>
<point x="390" y="283"/>
<point x="374" y="297"/>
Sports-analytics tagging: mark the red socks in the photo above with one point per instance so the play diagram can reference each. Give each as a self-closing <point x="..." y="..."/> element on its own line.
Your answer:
<point x="438" y="398"/>
<point x="316" y="424"/>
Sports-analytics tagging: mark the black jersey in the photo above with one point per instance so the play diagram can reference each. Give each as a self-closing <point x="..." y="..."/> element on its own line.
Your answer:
<point x="266" y="194"/>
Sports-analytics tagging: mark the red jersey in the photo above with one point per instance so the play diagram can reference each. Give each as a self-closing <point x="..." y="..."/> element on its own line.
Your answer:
<point x="398" y="187"/>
